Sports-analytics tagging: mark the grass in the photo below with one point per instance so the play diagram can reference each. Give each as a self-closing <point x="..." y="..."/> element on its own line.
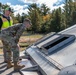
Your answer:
<point x="24" y="41"/>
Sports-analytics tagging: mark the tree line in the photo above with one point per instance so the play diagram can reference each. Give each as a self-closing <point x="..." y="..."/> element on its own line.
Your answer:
<point x="45" y="21"/>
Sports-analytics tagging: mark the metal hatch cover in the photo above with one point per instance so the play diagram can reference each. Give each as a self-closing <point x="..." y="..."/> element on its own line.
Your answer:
<point x="53" y="43"/>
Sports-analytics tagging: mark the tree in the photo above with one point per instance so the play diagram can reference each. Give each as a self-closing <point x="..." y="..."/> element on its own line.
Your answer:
<point x="69" y="12"/>
<point x="35" y="16"/>
<point x="56" y="20"/>
<point x="44" y="10"/>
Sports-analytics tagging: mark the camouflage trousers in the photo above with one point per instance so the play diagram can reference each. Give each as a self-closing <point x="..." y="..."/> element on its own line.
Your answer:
<point x="11" y="49"/>
<point x="5" y="50"/>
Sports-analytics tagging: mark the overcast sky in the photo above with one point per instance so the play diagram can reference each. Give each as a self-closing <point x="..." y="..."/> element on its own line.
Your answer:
<point x="20" y="6"/>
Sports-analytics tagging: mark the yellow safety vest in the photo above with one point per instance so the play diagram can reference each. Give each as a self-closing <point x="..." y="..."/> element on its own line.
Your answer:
<point x="6" y="23"/>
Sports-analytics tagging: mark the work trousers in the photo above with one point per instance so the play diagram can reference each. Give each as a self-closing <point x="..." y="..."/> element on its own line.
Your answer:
<point x="10" y="48"/>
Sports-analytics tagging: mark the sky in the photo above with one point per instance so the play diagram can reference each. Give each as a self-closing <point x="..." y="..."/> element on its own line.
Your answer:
<point x="20" y="6"/>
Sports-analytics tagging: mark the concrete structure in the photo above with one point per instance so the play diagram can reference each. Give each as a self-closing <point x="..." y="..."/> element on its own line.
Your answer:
<point x="53" y="54"/>
<point x="4" y="70"/>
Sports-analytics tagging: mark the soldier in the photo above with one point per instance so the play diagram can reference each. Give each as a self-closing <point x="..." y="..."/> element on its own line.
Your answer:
<point x="5" y="22"/>
<point x="11" y="36"/>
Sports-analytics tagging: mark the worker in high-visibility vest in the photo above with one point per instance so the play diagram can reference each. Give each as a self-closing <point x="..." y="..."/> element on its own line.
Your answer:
<point x="5" y="22"/>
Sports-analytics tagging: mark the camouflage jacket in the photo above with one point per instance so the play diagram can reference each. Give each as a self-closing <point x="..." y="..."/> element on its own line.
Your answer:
<point x="12" y="33"/>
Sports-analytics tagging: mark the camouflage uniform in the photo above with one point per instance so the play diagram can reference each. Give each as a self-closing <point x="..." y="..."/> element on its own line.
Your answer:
<point x="11" y="37"/>
<point x="5" y="49"/>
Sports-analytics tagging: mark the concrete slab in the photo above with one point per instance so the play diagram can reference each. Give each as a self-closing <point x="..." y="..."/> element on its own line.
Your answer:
<point x="28" y="65"/>
<point x="4" y="70"/>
